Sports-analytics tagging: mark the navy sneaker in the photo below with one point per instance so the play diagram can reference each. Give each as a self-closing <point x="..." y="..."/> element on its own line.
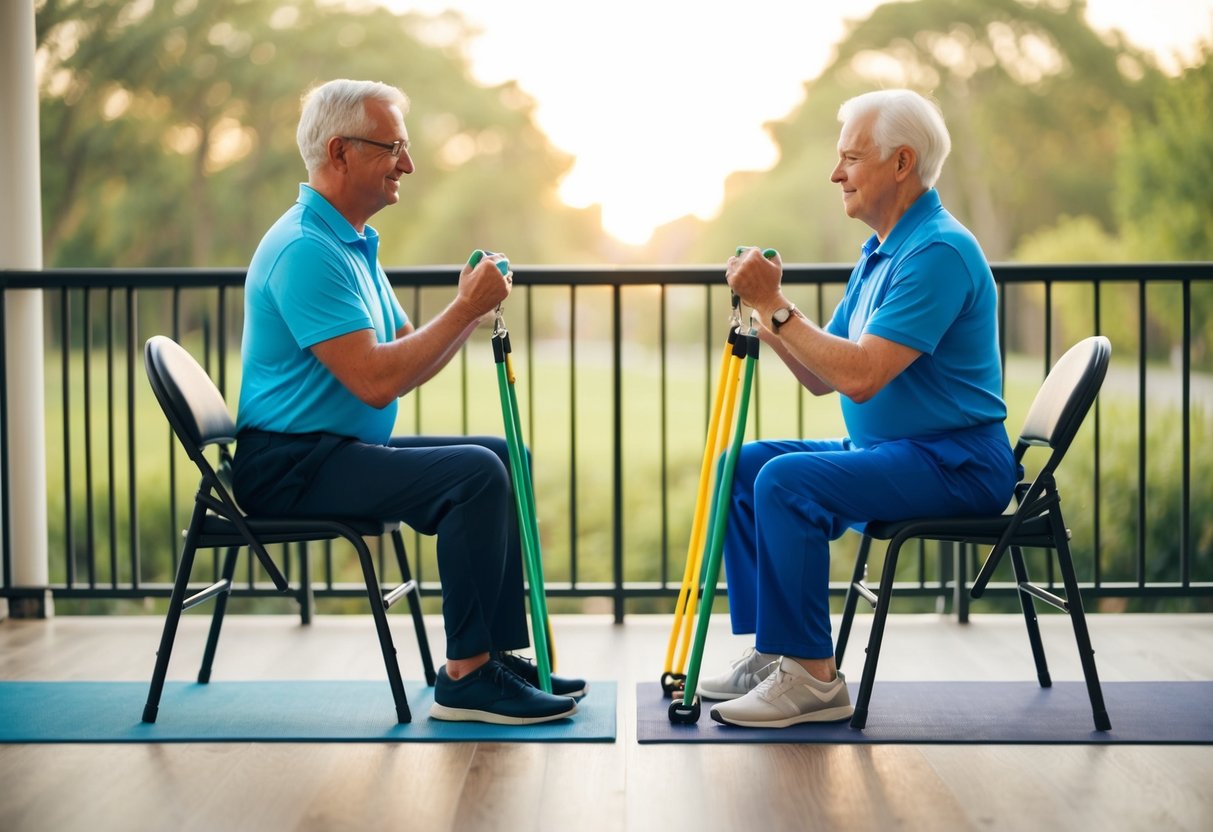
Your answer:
<point x="529" y="671"/>
<point x="491" y="693"/>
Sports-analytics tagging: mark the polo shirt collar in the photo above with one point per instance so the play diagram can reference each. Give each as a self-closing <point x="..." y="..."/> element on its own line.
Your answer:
<point x="312" y="199"/>
<point x="915" y="215"/>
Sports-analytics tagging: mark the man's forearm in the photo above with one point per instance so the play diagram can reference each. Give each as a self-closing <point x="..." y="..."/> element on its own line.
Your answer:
<point x="445" y="358"/>
<point x="807" y="378"/>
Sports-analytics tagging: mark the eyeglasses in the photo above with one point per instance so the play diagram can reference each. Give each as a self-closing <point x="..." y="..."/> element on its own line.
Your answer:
<point x="395" y="148"/>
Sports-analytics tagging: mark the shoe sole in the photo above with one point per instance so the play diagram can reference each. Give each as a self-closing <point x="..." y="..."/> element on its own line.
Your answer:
<point x="470" y="715"/>
<point x="824" y="715"/>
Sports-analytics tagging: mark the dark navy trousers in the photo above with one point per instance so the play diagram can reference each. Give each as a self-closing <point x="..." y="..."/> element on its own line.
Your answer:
<point x="790" y="498"/>
<point x="455" y="487"/>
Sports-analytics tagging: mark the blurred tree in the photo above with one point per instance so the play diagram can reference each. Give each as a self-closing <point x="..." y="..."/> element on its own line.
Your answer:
<point x="1163" y="211"/>
<point x="168" y="134"/>
<point x="1163" y="200"/>
<point x="1036" y="101"/>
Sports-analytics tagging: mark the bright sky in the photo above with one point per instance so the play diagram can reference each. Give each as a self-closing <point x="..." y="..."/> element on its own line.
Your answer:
<point x="695" y="82"/>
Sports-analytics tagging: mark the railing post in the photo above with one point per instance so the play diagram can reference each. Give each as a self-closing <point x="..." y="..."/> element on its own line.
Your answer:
<point x="617" y="457"/>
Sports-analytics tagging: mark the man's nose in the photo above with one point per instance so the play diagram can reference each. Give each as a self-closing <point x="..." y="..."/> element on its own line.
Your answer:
<point x="405" y="162"/>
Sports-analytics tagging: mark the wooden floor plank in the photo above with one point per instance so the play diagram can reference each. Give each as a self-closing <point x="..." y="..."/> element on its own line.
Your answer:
<point x="609" y="787"/>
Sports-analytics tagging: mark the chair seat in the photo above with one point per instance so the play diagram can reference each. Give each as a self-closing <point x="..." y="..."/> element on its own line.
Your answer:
<point x="220" y="531"/>
<point x="982" y="529"/>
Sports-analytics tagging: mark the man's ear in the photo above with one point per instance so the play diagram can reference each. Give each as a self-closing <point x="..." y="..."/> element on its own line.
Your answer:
<point x="906" y="159"/>
<point x="337" y="148"/>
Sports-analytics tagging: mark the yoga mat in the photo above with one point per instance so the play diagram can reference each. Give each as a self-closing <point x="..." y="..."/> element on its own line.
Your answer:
<point x="971" y="712"/>
<point x="267" y="711"/>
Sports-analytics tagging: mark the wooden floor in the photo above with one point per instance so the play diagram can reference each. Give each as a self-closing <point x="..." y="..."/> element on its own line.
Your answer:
<point x="586" y="787"/>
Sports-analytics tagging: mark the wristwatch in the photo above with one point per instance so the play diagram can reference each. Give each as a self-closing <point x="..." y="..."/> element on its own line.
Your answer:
<point x="782" y="315"/>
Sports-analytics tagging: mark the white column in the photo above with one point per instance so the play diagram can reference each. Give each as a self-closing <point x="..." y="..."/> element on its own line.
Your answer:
<point x="21" y="248"/>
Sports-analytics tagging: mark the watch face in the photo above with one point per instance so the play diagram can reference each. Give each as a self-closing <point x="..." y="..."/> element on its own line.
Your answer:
<point x="780" y="316"/>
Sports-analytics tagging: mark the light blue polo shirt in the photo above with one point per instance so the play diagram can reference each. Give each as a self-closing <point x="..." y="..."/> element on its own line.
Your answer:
<point x="928" y="286"/>
<point x="312" y="278"/>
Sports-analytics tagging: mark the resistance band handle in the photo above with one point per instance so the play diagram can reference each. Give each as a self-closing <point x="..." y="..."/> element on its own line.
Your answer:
<point x="501" y="346"/>
<point x="752" y="342"/>
<point x="768" y="253"/>
<point x="739" y="341"/>
<point x="503" y="265"/>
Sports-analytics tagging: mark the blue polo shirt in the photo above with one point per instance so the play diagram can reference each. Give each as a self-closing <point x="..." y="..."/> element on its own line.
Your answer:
<point x="928" y="286"/>
<point x="312" y="278"/>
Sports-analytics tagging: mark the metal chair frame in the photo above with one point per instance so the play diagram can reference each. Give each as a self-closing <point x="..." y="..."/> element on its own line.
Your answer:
<point x="199" y="417"/>
<point x="1053" y="420"/>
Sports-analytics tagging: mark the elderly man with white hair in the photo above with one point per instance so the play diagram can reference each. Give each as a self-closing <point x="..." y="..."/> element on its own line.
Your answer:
<point x="912" y="351"/>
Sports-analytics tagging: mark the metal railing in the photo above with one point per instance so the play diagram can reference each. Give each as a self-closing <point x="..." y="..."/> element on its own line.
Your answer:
<point x="616" y="367"/>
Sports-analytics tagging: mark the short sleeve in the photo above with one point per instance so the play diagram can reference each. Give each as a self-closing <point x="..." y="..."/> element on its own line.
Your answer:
<point x="926" y="295"/>
<point x="316" y="295"/>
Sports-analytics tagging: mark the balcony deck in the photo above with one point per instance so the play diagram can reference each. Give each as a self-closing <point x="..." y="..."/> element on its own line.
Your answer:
<point x="622" y="786"/>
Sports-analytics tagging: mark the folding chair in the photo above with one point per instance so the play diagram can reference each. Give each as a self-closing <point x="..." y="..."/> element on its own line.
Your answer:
<point x="1054" y="418"/>
<point x="199" y="417"/>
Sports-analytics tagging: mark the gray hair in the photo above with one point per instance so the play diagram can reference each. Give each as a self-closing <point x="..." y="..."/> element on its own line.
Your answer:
<point x="338" y="108"/>
<point x="903" y="117"/>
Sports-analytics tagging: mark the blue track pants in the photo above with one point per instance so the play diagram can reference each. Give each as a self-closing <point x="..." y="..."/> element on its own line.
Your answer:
<point x="790" y="498"/>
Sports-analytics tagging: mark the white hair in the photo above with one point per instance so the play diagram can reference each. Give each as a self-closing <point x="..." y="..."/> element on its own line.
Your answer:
<point x="903" y="117"/>
<point x="338" y="108"/>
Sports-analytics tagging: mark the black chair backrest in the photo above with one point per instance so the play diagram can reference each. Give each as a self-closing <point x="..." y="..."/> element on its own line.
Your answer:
<point x="192" y="403"/>
<point x="1067" y="394"/>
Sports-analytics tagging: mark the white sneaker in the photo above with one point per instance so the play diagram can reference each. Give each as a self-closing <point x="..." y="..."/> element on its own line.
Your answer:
<point x="744" y="675"/>
<point x="788" y="696"/>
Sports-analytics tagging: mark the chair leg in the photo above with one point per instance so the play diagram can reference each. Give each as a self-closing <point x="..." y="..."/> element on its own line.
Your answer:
<point x="173" y="617"/>
<point x="212" y="640"/>
<point x="379" y="613"/>
<point x="852" y="598"/>
<point x="307" y="598"/>
<point x="423" y="641"/>
<point x="960" y="573"/>
<point x="883" y="599"/>
<point x="1078" y="618"/>
<point x="1029" y="614"/>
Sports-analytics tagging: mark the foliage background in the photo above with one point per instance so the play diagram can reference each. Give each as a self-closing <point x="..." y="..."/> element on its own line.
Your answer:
<point x="168" y="140"/>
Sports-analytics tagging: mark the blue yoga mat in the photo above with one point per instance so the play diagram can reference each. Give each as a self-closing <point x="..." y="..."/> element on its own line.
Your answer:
<point x="971" y="712"/>
<point x="273" y="711"/>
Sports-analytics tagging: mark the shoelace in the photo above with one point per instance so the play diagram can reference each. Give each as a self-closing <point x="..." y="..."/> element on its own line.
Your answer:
<point x="774" y="685"/>
<point x="522" y="666"/>
<point x="504" y="678"/>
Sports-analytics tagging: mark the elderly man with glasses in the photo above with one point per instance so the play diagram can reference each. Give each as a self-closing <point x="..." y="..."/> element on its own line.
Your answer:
<point x="328" y="350"/>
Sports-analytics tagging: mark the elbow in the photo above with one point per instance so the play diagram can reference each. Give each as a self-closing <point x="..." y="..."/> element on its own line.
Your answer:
<point x="378" y="396"/>
<point x="860" y="392"/>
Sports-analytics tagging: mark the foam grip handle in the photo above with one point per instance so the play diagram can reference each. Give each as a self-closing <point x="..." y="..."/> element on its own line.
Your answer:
<point x="503" y="265"/>
<point x="768" y="253"/>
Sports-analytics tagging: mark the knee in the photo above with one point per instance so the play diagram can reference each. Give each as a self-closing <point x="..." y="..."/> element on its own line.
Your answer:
<point x="780" y="484"/>
<point x="481" y="466"/>
<point x="500" y="449"/>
